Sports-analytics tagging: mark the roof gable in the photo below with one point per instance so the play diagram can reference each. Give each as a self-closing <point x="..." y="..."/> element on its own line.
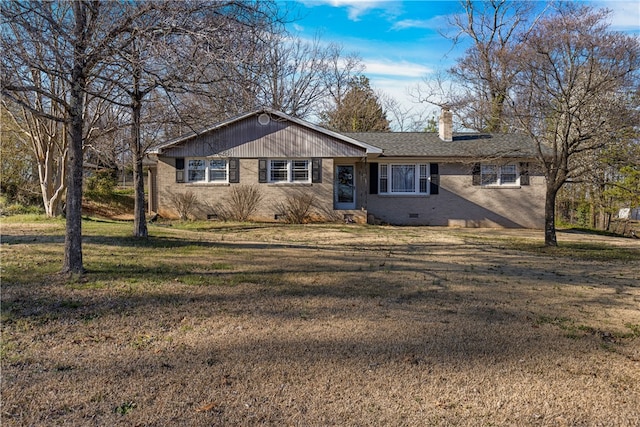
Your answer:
<point x="265" y="133"/>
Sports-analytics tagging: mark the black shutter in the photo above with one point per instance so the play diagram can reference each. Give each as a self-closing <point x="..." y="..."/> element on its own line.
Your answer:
<point x="373" y="178"/>
<point x="262" y="170"/>
<point x="435" y="178"/>
<point x="316" y="170"/>
<point x="477" y="180"/>
<point x="234" y="170"/>
<point x="524" y="173"/>
<point x="180" y="169"/>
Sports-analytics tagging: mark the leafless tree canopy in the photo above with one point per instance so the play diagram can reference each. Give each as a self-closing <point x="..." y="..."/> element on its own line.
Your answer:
<point x="63" y="59"/>
<point x="477" y="86"/>
<point x="575" y="93"/>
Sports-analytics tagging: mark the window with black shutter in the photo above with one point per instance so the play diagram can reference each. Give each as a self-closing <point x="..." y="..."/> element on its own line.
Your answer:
<point x="435" y="179"/>
<point x="234" y="170"/>
<point x="373" y="178"/>
<point x="180" y="169"/>
<point x="524" y="173"/>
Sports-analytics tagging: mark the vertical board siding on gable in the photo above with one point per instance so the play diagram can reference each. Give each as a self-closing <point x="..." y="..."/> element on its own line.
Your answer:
<point x="248" y="139"/>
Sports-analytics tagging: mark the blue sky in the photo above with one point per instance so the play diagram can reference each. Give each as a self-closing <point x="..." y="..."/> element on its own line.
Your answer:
<point x="400" y="41"/>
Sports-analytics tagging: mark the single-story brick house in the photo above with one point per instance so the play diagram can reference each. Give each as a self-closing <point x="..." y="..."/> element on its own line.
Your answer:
<point x="404" y="178"/>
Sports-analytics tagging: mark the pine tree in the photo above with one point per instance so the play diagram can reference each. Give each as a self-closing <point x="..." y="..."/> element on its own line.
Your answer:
<point x="358" y="111"/>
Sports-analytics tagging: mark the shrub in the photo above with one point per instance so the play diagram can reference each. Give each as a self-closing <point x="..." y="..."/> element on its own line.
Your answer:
<point x="185" y="204"/>
<point x="241" y="203"/>
<point x="297" y="208"/>
<point x="7" y="209"/>
<point x="103" y="181"/>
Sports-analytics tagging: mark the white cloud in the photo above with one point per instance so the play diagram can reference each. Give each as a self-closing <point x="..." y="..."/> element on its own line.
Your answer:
<point x="625" y="14"/>
<point x="435" y="23"/>
<point x="402" y="69"/>
<point x="356" y="8"/>
<point x="411" y="23"/>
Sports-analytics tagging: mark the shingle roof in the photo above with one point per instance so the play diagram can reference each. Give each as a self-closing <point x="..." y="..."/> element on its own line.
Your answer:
<point x="422" y="144"/>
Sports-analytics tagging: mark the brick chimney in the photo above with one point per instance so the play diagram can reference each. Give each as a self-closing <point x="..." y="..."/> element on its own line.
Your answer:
<point x="445" y="125"/>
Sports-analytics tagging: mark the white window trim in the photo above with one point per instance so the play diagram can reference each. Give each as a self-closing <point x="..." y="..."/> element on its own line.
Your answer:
<point x="289" y="179"/>
<point x="207" y="169"/>
<point x="416" y="184"/>
<point x="499" y="182"/>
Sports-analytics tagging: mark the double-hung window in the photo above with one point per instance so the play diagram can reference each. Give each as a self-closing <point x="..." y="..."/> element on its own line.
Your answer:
<point x="218" y="170"/>
<point x="208" y="170"/>
<point x="498" y="174"/>
<point x="508" y="174"/>
<point x="410" y="178"/>
<point x="196" y="170"/>
<point x="289" y="170"/>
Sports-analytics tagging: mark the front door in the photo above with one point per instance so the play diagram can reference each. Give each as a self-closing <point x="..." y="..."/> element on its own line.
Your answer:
<point x="345" y="187"/>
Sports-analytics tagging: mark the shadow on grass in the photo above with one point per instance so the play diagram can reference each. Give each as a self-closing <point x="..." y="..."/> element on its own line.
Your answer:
<point x="404" y="276"/>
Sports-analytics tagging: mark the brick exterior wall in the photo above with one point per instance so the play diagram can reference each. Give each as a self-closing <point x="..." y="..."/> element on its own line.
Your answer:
<point x="461" y="204"/>
<point x="458" y="204"/>
<point x="209" y="195"/>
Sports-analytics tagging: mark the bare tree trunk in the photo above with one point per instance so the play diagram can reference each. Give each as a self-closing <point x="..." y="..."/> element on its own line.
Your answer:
<point x="53" y="183"/>
<point x="550" y="216"/>
<point x="73" y="238"/>
<point x="139" y="218"/>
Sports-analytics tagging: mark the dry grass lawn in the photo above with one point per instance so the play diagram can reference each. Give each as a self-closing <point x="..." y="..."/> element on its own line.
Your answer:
<point x="319" y="325"/>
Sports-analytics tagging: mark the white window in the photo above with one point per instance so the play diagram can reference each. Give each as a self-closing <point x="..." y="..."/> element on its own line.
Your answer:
<point x="499" y="174"/>
<point x="424" y="179"/>
<point x="410" y="178"/>
<point x="196" y="170"/>
<point x="207" y="170"/>
<point x="508" y="175"/>
<point x="300" y="170"/>
<point x="218" y="170"/>
<point x="289" y="170"/>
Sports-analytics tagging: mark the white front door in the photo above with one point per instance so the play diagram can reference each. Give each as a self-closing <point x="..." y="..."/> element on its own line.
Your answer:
<point x="345" y="187"/>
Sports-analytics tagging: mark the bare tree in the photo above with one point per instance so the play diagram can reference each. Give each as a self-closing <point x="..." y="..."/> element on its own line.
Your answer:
<point x="182" y="46"/>
<point x="50" y="42"/>
<point x="79" y="41"/>
<point x="47" y="141"/>
<point x="18" y="175"/>
<point x="56" y="54"/>
<point x="574" y="94"/>
<point x="38" y="99"/>
<point x="298" y="76"/>
<point x="484" y="76"/>
<point x="407" y="119"/>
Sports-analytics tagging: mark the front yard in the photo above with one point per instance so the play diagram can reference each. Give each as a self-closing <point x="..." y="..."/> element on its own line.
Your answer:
<point x="248" y="324"/>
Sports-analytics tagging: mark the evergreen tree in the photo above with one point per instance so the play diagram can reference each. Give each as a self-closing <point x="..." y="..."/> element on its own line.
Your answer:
<point x="358" y="111"/>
